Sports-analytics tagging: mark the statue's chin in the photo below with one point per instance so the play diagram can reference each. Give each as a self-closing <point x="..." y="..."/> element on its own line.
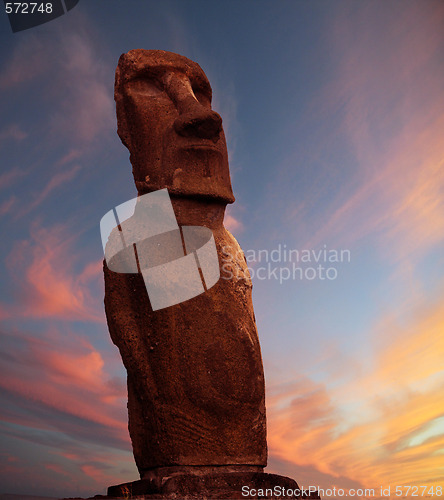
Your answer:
<point x="199" y="170"/>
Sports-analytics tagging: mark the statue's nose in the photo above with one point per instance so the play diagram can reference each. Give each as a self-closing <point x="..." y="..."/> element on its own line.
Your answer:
<point x="199" y="122"/>
<point x="196" y="119"/>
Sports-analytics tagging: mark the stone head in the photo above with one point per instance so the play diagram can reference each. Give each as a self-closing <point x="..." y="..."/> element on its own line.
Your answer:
<point x="164" y="117"/>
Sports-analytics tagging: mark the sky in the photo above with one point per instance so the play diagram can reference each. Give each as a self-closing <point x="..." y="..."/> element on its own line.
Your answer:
<point x="334" y="117"/>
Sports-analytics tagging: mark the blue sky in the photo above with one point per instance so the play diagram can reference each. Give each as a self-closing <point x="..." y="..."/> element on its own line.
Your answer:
<point x="334" y="116"/>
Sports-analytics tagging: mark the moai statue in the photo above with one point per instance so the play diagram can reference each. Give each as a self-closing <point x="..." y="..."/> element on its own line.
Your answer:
<point x="196" y="395"/>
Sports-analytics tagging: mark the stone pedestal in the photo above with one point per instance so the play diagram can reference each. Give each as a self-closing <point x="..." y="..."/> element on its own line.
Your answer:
<point x="203" y="485"/>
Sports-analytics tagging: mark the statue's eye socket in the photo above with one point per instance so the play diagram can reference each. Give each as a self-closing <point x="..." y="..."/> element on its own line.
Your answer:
<point x="202" y="97"/>
<point x="147" y="87"/>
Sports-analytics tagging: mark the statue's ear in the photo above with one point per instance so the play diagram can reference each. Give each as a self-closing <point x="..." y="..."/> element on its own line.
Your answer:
<point x="122" y="127"/>
<point x="122" y="124"/>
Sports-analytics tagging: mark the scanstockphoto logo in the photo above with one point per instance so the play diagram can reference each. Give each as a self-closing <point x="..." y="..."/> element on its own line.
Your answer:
<point x="26" y="15"/>
<point x="177" y="262"/>
<point x="284" y="264"/>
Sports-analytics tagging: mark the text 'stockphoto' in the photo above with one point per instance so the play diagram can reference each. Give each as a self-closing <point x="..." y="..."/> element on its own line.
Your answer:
<point x="188" y="339"/>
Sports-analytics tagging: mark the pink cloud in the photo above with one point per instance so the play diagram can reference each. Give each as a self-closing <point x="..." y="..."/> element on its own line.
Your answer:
<point x="7" y="205"/>
<point x="98" y="475"/>
<point x="4" y="312"/>
<point x="27" y="61"/>
<point x="57" y="468"/>
<point x="43" y="269"/>
<point x="71" y="456"/>
<point x="231" y="221"/>
<point x="9" y="177"/>
<point x="72" y="155"/>
<point x="52" y="366"/>
<point x="12" y="132"/>
<point x="233" y="225"/>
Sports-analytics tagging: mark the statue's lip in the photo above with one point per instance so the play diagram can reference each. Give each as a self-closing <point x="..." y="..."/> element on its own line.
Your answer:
<point x="201" y="145"/>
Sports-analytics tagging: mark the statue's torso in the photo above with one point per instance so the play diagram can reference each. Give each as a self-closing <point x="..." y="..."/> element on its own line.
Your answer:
<point x="195" y="376"/>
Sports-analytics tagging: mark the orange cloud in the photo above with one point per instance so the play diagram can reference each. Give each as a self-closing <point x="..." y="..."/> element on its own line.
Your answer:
<point x="415" y="352"/>
<point x="372" y="427"/>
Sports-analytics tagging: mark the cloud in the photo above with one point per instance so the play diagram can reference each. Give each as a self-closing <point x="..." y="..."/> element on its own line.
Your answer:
<point x="81" y="95"/>
<point x="57" y="468"/>
<point x="47" y="284"/>
<point x="385" y="99"/>
<point x="232" y="221"/>
<point x="377" y="426"/>
<point x="7" y="205"/>
<point x="9" y="177"/>
<point x="412" y="353"/>
<point x="27" y="61"/>
<point x="403" y="203"/>
<point x="233" y="225"/>
<point x="59" y="383"/>
<point x="57" y="180"/>
<point x="53" y="464"/>
<point x="72" y="155"/>
<point x="225" y="103"/>
<point x="89" y="109"/>
<point x="301" y="418"/>
<point x="307" y="432"/>
<point x="98" y="475"/>
<point x="12" y="132"/>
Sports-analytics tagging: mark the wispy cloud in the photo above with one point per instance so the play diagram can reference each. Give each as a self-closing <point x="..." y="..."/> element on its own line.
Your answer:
<point x="10" y="176"/>
<point x="57" y="180"/>
<point x="39" y="372"/>
<point x="27" y="61"/>
<point x="385" y="97"/>
<point x="69" y="157"/>
<point x="80" y="87"/>
<point x="232" y="220"/>
<point x="7" y="205"/>
<point x="98" y="474"/>
<point x="63" y="463"/>
<point x="12" y="132"/>
<point x="232" y="224"/>
<point x="89" y="109"/>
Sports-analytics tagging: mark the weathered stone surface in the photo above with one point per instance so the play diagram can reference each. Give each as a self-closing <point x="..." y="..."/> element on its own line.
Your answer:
<point x="195" y="376"/>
